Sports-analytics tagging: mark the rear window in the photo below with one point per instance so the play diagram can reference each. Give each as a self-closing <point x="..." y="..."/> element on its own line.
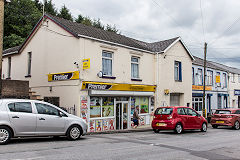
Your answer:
<point x="166" y="111"/>
<point x="223" y="112"/>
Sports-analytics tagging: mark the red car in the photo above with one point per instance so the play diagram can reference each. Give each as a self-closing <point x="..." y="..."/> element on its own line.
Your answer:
<point x="226" y="117"/>
<point x="178" y="119"/>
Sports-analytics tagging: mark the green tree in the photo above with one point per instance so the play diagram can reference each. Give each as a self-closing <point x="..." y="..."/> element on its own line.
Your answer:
<point x="38" y="4"/>
<point x="87" y="21"/>
<point x="111" y="28"/>
<point x="49" y="7"/>
<point x="19" y="18"/>
<point x="98" y="24"/>
<point x="65" y="13"/>
<point x="79" y="19"/>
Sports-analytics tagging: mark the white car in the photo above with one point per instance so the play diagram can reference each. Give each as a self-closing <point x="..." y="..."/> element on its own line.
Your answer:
<point x="23" y="118"/>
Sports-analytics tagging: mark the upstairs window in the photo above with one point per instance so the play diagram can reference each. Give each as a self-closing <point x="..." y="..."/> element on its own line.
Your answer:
<point x="29" y="63"/>
<point x="177" y="71"/>
<point x="233" y="77"/>
<point x="134" y="67"/>
<point x="193" y="79"/>
<point x="9" y="67"/>
<point x="107" y="58"/>
<point x="200" y="76"/>
<point x="209" y="78"/>
<point x="224" y="80"/>
<point x="239" y="78"/>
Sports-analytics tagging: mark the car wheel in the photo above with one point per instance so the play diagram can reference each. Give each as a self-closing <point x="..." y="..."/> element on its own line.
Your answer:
<point x="74" y="133"/>
<point x="236" y="125"/>
<point x="214" y="126"/>
<point x="5" y="135"/>
<point x="204" y="127"/>
<point x="156" y="130"/>
<point x="178" y="128"/>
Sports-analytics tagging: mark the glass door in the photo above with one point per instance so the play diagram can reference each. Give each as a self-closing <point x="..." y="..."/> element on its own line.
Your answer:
<point x="122" y="115"/>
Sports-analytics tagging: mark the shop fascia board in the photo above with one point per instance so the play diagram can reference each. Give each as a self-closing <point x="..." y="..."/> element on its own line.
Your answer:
<point x="119" y="93"/>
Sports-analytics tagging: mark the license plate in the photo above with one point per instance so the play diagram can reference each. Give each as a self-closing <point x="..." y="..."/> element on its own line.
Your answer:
<point x="161" y="124"/>
<point x="219" y="121"/>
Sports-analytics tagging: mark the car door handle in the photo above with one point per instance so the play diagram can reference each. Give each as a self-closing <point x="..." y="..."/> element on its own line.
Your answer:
<point x="41" y="119"/>
<point x="15" y="117"/>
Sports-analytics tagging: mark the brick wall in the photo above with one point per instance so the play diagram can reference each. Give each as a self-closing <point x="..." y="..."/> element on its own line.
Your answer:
<point x="15" y="89"/>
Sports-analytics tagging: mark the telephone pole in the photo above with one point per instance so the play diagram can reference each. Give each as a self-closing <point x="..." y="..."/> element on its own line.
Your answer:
<point x="204" y="80"/>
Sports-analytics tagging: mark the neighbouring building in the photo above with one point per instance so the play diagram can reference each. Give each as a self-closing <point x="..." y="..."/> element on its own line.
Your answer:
<point x="103" y="74"/>
<point x="217" y="95"/>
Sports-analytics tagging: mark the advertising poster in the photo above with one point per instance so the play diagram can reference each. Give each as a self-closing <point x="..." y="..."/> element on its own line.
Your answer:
<point x="105" y="124"/>
<point x="84" y="108"/>
<point x="95" y="111"/>
<point x="144" y="105"/>
<point x="92" y="126"/>
<point x="98" y="125"/>
<point x="142" y="120"/>
<point x="111" y="124"/>
<point x="132" y="105"/>
<point x="107" y="111"/>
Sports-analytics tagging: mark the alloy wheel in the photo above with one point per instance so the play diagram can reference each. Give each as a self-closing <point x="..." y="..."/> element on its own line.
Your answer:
<point x="179" y="128"/>
<point x="75" y="133"/>
<point x="4" y="135"/>
<point x="204" y="127"/>
<point x="236" y="125"/>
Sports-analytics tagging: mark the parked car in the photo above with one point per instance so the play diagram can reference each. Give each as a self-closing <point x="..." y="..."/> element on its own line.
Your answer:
<point x="226" y="117"/>
<point x="178" y="119"/>
<point x="22" y="118"/>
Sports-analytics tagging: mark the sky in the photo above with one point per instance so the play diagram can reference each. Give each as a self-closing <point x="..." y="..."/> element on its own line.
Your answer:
<point x="216" y="22"/>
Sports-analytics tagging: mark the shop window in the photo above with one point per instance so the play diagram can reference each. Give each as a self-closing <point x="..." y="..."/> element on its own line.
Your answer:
<point x="95" y="107"/>
<point x="177" y="71"/>
<point x="141" y="104"/>
<point x="219" y="102"/>
<point x="101" y="107"/>
<point x="107" y="63"/>
<point x="107" y="107"/>
<point x="197" y="103"/>
<point x="135" y="67"/>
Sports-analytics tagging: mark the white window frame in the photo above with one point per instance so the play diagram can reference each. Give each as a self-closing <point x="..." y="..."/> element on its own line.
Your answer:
<point x="233" y="77"/>
<point x="200" y="76"/>
<point x="177" y="69"/>
<point x="137" y="64"/>
<point x="199" y="101"/>
<point x="209" y="78"/>
<point x="29" y="67"/>
<point x="110" y="70"/>
<point x="9" y="67"/>
<point x="224" y="80"/>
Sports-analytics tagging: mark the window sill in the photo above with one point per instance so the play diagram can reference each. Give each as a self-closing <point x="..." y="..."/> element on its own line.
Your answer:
<point x="28" y="76"/>
<point x="108" y="77"/>
<point x="8" y="78"/>
<point x="136" y="79"/>
<point x="178" y="80"/>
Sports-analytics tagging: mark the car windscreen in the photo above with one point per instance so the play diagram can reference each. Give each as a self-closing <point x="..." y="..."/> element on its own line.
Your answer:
<point x="166" y="111"/>
<point x="223" y="112"/>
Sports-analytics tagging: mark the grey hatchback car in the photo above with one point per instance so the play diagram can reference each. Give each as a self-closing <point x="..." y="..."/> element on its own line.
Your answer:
<point x="26" y="118"/>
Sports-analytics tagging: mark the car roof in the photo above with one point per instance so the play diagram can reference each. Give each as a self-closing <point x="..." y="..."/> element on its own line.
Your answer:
<point x="227" y="109"/>
<point x="175" y="107"/>
<point x="19" y="100"/>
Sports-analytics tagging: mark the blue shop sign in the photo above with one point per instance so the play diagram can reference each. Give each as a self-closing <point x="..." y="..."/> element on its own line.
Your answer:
<point x="237" y="92"/>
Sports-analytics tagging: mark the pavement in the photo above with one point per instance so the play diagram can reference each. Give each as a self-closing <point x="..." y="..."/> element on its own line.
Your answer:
<point x="215" y="144"/>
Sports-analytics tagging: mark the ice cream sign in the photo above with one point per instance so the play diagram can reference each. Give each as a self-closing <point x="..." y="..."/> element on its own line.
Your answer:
<point x="63" y="76"/>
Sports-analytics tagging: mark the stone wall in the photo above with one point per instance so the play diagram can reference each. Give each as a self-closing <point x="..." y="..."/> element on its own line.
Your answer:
<point x="15" y="89"/>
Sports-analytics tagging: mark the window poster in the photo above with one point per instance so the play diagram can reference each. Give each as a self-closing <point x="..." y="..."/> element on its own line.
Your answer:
<point x="133" y="99"/>
<point x="84" y="108"/>
<point x="95" y="107"/>
<point x="92" y="126"/>
<point x="144" y="105"/>
<point x="105" y="124"/>
<point x="98" y="125"/>
<point x="111" y="124"/>
<point x="108" y="111"/>
<point x="142" y="120"/>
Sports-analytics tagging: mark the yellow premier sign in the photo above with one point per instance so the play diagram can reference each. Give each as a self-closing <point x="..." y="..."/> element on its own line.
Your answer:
<point x="86" y="63"/>
<point x="218" y="79"/>
<point x="63" y="76"/>
<point x="116" y="86"/>
<point x="208" y="88"/>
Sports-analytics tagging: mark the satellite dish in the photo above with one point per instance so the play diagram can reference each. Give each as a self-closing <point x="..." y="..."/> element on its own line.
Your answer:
<point x="100" y="74"/>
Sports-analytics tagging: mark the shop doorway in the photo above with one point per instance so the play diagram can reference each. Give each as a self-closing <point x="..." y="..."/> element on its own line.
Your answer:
<point x="122" y="115"/>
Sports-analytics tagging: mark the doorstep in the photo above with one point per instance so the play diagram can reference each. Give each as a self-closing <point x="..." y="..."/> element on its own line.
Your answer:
<point x="139" y="129"/>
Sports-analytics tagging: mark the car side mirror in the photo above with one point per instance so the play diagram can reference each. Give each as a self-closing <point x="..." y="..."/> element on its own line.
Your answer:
<point x="61" y="114"/>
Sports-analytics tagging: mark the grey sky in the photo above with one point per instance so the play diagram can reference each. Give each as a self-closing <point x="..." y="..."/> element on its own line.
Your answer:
<point x="155" y="20"/>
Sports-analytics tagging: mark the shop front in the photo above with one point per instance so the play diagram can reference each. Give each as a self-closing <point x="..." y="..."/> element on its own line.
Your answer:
<point x="110" y="106"/>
